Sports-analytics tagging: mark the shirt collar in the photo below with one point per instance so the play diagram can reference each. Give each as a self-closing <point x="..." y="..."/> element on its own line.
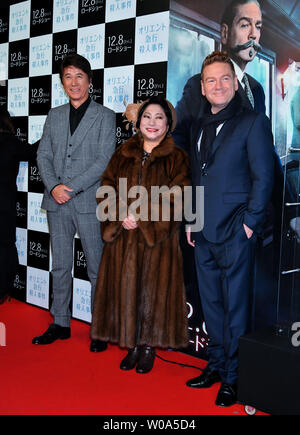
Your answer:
<point x="82" y="107"/>
<point x="239" y="73"/>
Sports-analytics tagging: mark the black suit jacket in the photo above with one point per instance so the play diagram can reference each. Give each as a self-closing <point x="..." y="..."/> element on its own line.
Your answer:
<point x="238" y="178"/>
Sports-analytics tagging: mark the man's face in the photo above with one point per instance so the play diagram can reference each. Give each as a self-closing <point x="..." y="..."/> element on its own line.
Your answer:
<point x="76" y="83"/>
<point x="246" y="27"/>
<point x="218" y="84"/>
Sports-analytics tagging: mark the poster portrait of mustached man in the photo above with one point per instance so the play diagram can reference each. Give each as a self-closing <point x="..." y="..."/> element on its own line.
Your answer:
<point x="241" y="26"/>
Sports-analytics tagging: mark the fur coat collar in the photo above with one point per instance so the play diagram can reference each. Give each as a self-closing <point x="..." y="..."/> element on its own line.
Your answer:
<point x="133" y="148"/>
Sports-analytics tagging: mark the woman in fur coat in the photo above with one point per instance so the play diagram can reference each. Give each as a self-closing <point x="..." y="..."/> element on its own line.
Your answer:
<point x="140" y="298"/>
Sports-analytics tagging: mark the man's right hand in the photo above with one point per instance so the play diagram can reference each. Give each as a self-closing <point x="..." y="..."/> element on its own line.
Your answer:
<point x="60" y="195"/>
<point x="189" y="237"/>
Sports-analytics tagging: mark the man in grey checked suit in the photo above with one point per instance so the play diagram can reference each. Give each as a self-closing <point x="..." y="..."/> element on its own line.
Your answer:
<point x="77" y="143"/>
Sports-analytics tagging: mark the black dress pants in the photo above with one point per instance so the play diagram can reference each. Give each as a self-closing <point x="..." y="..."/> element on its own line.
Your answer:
<point x="225" y="280"/>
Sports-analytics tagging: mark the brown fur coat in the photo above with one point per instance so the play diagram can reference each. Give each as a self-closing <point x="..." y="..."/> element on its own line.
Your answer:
<point x="140" y="296"/>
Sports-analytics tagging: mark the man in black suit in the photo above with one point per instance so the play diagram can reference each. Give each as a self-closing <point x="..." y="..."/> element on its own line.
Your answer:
<point x="232" y="156"/>
<point x="240" y="34"/>
<point x="241" y="26"/>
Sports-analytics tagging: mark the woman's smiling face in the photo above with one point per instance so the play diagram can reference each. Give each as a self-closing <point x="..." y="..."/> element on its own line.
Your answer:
<point x="154" y="123"/>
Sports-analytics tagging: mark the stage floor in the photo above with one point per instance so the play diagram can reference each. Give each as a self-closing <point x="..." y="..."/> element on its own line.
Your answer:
<point x="65" y="378"/>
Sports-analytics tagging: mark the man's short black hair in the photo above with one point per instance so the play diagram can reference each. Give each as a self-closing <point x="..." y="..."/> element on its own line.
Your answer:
<point x="230" y="11"/>
<point x="77" y="61"/>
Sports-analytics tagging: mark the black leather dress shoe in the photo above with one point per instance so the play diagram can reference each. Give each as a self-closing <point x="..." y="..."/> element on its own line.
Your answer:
<point x="227" y="395"/>
<point x="131" y="359"/>
<point x="98" y="346"/>
<point x="54" y="332"/>
<point x="146" y="359"/>
<point x="206" y="380"/>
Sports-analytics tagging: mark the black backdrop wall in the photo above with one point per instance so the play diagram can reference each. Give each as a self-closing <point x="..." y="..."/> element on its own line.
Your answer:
<point x="126" y="42"/>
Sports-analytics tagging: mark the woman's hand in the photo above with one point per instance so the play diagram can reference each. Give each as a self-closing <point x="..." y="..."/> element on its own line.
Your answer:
<point x="129" y="223"/>
<point x="188" y="237"/>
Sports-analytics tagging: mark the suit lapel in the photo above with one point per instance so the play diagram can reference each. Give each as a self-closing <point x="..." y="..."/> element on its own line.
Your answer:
<point x="195" y="134"/>
<point x="64" y="120"/>
<point x="245" y="99"/>
<point x="258" y="95"/>
<point x="85" y="124"/>
<point x="225" y="131"/>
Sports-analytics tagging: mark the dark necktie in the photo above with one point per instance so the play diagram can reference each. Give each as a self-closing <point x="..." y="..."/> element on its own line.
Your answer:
<point x="248" y="90"/>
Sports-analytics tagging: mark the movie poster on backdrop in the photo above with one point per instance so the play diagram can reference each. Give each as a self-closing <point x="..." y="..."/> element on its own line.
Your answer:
<point x="195" y="31"/>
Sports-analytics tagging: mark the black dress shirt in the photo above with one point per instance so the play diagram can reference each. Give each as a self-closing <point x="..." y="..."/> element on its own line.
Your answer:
<point x="75" y="118"/>
<point x="77" y="114"/>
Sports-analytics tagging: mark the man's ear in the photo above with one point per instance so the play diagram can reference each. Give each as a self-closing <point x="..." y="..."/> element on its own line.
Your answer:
<point x="202" y="89"/>
<point x="224" y="34"/>
<point x="236" y="83"/>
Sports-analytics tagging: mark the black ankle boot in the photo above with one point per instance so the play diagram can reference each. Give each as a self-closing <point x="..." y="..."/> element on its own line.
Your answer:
<point x="146" y="359"/>
<point x="130" y="360"/>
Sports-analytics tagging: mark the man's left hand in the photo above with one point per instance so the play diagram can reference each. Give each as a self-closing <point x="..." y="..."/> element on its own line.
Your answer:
<point x="248" y="231"/>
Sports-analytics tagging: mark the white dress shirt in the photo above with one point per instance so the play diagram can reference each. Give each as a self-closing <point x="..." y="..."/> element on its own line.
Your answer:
<point x="239" y="73"/>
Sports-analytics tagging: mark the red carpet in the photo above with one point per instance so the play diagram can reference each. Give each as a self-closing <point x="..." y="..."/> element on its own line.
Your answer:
<point x="64" y="378"/>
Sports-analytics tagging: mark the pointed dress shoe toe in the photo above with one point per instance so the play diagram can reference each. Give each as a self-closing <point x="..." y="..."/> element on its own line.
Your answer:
<point x="98" y="346"/>
<point x="227" y="395"/>
<point x="54" y="332"/>
<point x="146" y="359"/>
<point x="131" y="359"/>
<point x="206" y="380"/>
